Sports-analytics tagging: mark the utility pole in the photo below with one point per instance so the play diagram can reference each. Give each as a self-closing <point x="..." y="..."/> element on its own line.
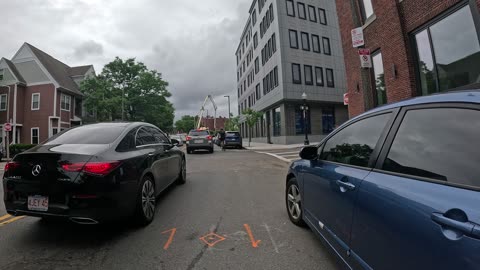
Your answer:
<point x="229" y="115"/>
<point x="123" y="103"/>
<point x="364" y="73"/>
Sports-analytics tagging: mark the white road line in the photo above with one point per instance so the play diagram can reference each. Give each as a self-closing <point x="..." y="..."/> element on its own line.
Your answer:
<point x="271" y="237"/>
<point x="285" y="153"/>
<point x="273" y="155"/>
<point x="295" y="155"/>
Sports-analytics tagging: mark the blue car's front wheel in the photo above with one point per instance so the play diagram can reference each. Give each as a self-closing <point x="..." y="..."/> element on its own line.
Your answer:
<point x="293" y="200"/>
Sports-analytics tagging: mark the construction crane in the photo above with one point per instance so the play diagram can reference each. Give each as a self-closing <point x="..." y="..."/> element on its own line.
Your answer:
<point x="202" y="110"/>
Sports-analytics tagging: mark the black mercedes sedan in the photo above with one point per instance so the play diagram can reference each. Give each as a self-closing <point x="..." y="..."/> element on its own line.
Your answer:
<point x="94" y="173"/>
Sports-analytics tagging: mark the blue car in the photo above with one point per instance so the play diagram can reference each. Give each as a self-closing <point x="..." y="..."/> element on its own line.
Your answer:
<point x="397" y="187"/>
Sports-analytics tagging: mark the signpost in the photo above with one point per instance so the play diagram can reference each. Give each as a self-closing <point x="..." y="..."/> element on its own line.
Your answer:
<point x="345" y="99"/>
<point x="365" y="58"/>
<point x="357" y="37"/>
<point x="7" y="127"/>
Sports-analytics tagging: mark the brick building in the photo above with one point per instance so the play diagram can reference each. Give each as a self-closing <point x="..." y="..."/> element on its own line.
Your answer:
<point x="39" y="95"/>
<point x="419" y="47"/>
<point x="209" y="122"/>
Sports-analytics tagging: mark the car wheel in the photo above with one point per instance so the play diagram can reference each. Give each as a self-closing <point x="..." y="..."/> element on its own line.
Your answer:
<point x="182" y="178"/>
<point x="146" y="202"/>
<point x="211" y="150"/>
<point x="294" y="203"/>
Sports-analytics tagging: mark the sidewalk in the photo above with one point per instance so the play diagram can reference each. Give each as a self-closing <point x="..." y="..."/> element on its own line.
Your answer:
<point x="255" y="146"/>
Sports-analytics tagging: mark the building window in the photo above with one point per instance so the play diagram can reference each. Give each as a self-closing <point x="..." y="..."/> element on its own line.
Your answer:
<point x="322" y="16"/>
<point x="301" y="11"/>
<point x="272" y="80"/>
<point x="379" y="79"/>
<point x="305" y="41"/>
<point x="3" y="102"/>
<point x="274" y="43"/>
<point x="275" y="74"/>
<point x="326" y="46"/>
<point x="316" y="43"/>
<point x="328" y="120"/>
<point x="257" y="91"/>
<point x="261" y="29"/>
<point x="54" y="131"/>
<point x="308" y="75"/>
<point x="257" y="65"/>
<point x="65" y="103"/>
<point x="439" y="66"/>
<point x="255" y="40"/>
<point x="264" y="86"/>
<point x="254" y="17"/>
<point x="277" y="126"/>
<point x="293" y="39"/>
<point x="330" y="79"/>
<point x="367" y="9"/>
<point x="319" y="76"/>
<point x="35" y="101"/>
<point x="300" y="121"/>
<point x="296" y="74"/>
<point x="270" y="9"/>
<point x="312" y="13"/>
<point x="2" y="71"/>
<point x="290" y="8"/>
<point x="269" y="85"/>
<point x="35" y="135"/>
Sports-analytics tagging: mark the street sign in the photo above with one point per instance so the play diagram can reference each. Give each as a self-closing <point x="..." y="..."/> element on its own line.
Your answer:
<point x="345" y="99"/>
<point x="7" y="127"/>
<point x="365" y="58"/>
<point x="357" y="37"/>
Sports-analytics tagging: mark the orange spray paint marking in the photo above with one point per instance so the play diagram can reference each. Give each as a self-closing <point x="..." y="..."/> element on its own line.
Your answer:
<point x="170" y="239"/>
<point x="212" y="239"/>
<point x="250" y="234"/>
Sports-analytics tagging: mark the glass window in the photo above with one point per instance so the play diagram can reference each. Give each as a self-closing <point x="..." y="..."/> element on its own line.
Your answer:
<point x="35" y="136"/>
<point x="451" y="59"/>
<point x="300" y="121"/>
<point x="308" y="75"/>
<point x="277" y="122"/>
<point x="2" y="71"/>
<point x="305" y="41"/>
<point x="316" y="43"/>
<point x="433" y="143"/>
<point x="128" y="142"/>
<point x="330" y="79"/>
<point x="319" y="76"/>
<point x="296" y="74"/>
<point x="257" y="91"/>
<point x="312" y="13"/>
<point x="255" y="40"/>
<point x="268" y="82"/>
<point x="367" y="9"/>
<point x="290" y="8"/>
<point x="104" y="134"/>
<point x="3" y="102"/>
<point x="379" y="79"/>
<point x="274" y="43"/>
<point x="355" y="143"/>
<point x="36" y="101"/>
<point x="293" y="39"/>
<point x="328" y="120"/>
<point x="272" y="80"/>
<point x="159" y="136"/>
<point x="257" y="65"/>
<point x="322" y="16"/>
<point x="275" y="74"/>
<point x="254" y="17"/>
<point x="326" y="46"/>
<point x="301" y="11"/>
<point x="144" y="138"/>
<point x="270" y="9"/>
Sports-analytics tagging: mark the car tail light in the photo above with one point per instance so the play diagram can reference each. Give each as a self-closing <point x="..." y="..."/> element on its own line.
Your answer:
<point x="189" y="138"/>
<point x="11" y="166"/>
<point x="209" y="137"/>
<point x="99" y="168"/>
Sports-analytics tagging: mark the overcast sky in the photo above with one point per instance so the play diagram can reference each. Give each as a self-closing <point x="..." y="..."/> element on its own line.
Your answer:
<point x="192" y="43"/>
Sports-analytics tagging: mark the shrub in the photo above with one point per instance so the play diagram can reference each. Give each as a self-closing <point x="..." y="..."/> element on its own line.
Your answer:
<point x="19" y="148"/>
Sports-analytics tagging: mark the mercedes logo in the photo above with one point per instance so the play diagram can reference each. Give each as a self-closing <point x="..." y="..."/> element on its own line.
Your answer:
<point x="36" y="170"/>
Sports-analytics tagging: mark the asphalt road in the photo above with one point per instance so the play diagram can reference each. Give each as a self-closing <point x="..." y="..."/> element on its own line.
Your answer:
<point x="236" y="196"/>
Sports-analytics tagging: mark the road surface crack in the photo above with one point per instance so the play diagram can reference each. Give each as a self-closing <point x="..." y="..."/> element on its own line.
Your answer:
<point x="204" y="248"/>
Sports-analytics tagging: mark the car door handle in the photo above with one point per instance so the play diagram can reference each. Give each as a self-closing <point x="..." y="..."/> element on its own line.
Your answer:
<point x="345" y="185"/>
<point x="464" y="227"/>
<point x="151" y="154"/>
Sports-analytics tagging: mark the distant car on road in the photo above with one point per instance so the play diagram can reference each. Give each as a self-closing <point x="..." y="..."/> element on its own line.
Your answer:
<point x="397" y="187"/>
<point x="233" y="139"/>
<point x="199" y="140"/>
<point x="117" y="172"/>
<point x="178" y="138"/>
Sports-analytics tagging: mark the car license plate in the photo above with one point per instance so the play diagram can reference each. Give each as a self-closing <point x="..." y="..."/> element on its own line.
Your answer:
<point x="38" y="203"/>
<point x="198" y="141"/>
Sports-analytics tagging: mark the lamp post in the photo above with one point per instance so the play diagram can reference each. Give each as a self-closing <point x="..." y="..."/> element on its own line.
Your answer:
<point x="304" y="108"/>
<point x="228" y="106"/>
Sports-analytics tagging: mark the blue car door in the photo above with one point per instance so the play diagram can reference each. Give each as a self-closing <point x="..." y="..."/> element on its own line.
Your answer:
<point x="420" y="207"/>
<point x="331" y="183"/>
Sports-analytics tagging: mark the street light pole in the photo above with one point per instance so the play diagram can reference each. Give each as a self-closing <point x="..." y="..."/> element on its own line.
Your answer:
<point x="228" y="106"/>
<point x="304" y="108"/>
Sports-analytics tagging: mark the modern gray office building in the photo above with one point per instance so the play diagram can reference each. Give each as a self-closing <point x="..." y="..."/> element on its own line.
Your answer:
<point x="288" y="48"/>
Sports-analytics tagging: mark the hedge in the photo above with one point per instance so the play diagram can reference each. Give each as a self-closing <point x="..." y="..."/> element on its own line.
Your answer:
<point x="18" y="148"/>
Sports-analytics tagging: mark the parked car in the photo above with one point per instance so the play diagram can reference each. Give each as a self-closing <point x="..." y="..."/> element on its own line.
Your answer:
<point x="233" y="139"/>
<point x="199" y="139"/>
<point x="88" y="179"/>
<point x="178" y="138"/>
<point x="397" y="187"/>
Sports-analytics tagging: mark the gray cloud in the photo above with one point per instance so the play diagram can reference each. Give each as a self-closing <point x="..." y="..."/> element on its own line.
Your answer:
<point x="192" y="43"/>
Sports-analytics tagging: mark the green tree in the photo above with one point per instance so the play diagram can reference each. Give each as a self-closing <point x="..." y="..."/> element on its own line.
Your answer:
<point x="233" y="124"/>
<point x="251" y="117"/>
<point x="185" y="124"/>
<point x="144" y="94"/>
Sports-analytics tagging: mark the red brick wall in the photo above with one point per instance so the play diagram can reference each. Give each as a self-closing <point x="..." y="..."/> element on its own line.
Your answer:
<point x="21" y="104"/>
<point x="209" y="123"/>
<point x="37" y="118"/>
<point x="388" y="33"/>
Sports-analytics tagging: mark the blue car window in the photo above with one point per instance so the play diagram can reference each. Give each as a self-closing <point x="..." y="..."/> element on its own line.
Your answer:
<point x="439" y="143"/>
<point x="354" y="144"/>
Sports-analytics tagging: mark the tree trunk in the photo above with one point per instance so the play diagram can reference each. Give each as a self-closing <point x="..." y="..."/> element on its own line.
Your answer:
<point x="249" y="135"/>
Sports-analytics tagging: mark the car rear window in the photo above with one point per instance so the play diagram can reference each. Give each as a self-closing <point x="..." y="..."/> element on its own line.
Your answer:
<point x="89" y="134"/>
<point x="199" y="133"/>
<point x="233" y="134"/>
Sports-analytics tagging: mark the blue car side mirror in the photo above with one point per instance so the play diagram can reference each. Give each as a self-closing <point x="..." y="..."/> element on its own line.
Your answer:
<point x="309" y="153"/>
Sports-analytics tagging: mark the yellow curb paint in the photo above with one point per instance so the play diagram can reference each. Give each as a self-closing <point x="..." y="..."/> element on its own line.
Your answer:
<point x="4" y="217"/>
<point x="11" y="220"/>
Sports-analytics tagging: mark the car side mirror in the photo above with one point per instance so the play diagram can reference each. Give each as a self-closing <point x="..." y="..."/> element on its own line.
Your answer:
<point x="309" y="153"/>
<point x="175" y="142"/>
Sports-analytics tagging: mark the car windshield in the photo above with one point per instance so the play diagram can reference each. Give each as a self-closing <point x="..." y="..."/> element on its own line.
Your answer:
<point x="89" y="134"/>
<point x="199" y="133"/>
<point x="233" y="134"/>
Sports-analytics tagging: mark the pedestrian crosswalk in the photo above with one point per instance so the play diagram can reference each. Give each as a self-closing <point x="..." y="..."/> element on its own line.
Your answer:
<point x="287" y="155"/>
